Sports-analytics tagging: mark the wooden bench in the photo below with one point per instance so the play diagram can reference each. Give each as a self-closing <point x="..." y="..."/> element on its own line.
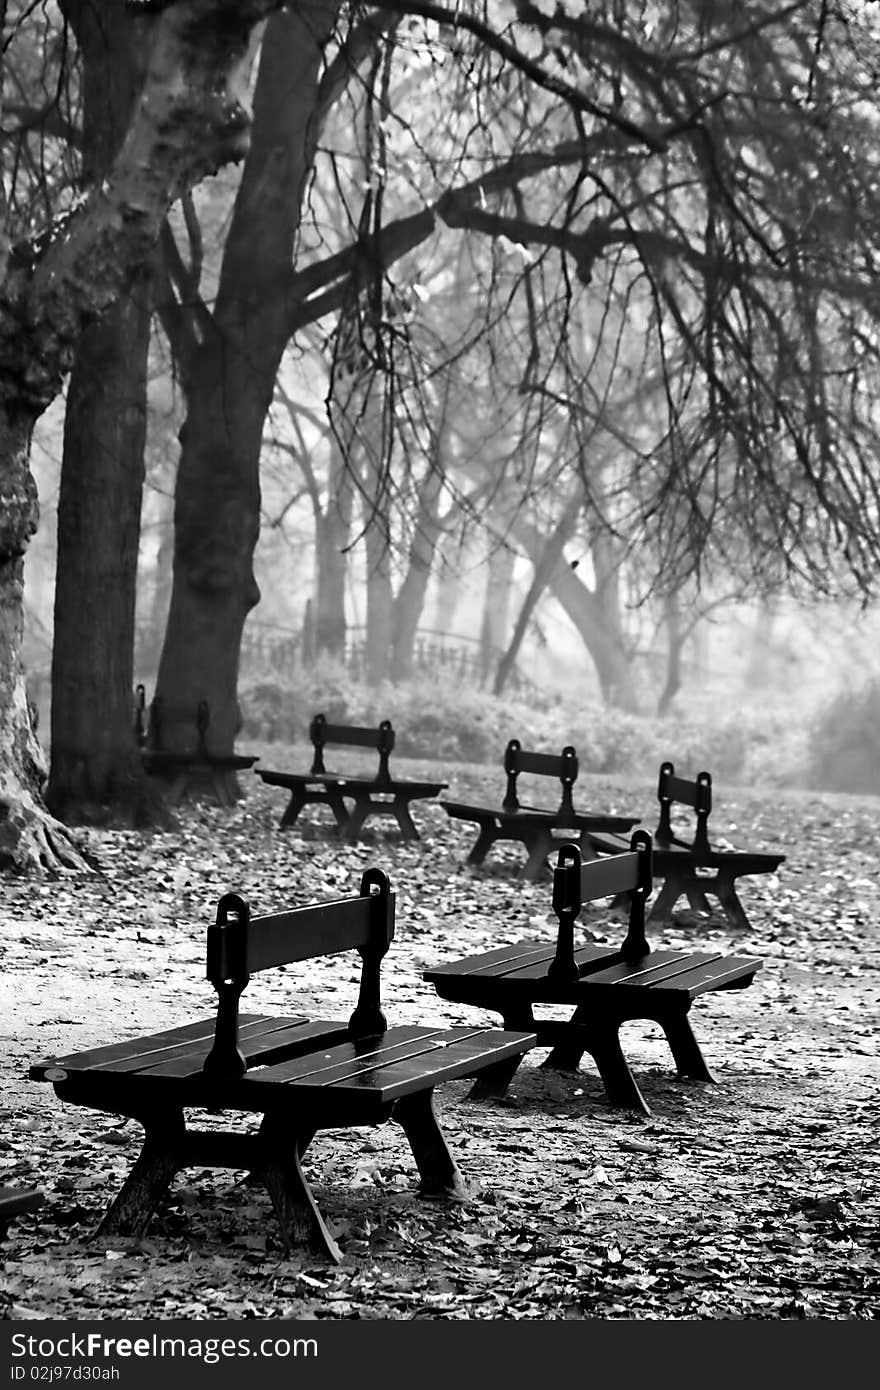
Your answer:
<point x="301" y="1074"/>
<point x="194" y="769"/>
<point x="533" y="826"/>
<point x="608" y="985"/>
<point x="693" y="867"/>
<point x="14" y="1201"/>
<point x="378" y="795"/>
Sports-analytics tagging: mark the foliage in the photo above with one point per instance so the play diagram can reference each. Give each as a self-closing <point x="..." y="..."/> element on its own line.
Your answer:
<point x="845" y="743"/>
<point x="439" y="719"/>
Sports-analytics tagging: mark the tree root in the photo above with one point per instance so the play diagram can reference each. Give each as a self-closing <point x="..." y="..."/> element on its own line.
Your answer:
<point x="33" y="842"/>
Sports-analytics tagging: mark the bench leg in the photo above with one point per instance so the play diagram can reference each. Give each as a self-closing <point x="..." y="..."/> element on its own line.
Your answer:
<point x="483" y="843"/>
<point x="689" y="1060"/>
<point x="620" y="1084"/>
<point x="148" y="1182"/>
<point x="673" y="887"/>
<point x="280" y="1170"/>
<point x="492" y="1082"/>
<point x="539" y="844"/>
<point x="697" y="897"/>
<point x="727" y="896"/>
<point x="601" y="1039"/>
<point x="351" y="826"/>
<point x="294" y="806"/>
<point x="437" y="1169"/>
<point x="400" y="807"/>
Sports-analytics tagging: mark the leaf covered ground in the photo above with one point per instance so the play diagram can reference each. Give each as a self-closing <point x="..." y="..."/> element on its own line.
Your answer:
<point x="753" y="1198"/>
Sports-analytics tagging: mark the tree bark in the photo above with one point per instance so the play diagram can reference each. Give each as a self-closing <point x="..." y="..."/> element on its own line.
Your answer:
<point x="332" y="532"/>
<point x="231" y="382"/>
<point x="496" y="606"/>
<point x="188" y="121"/>
<point x="409" y="601"/>
<point x="96" y="771"/>
<point x="596" y="615"/>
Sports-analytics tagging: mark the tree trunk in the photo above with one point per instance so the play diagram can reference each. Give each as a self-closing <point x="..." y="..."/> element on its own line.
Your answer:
<point x="546" y="563"/>
<point x="217" y="503"/>
<point x="28" y="838"/>
<point x="409" y="602"/>
<point x="674" y="644"/>
<point x="595" y="614"/>
<point x="188" y="121"/>
<point x="496" y="607"/>
<point x="96" y="771"/>
<point x="332" y="531"/>
<point x="380" y="601"/>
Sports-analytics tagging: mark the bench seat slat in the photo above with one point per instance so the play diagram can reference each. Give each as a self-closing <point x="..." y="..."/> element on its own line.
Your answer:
<point x="322" y="1068"/>
<point x="15" y="1200"/>
<point x="660" y="967"/>
<point x="714" y="975"/>
<point x="426" y="1065"/>
<point x="135" y="1047"/>
<point x="459" y="1058"/>
<point x="491" y="962"/>
<point x="272" y="1044"/>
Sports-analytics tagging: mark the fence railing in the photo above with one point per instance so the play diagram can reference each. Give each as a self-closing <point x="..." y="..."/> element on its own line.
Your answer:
<point x="268" y="650"/>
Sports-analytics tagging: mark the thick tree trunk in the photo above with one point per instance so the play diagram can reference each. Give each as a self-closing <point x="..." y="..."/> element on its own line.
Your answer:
<point x="29" y="839"/>
<point x="96" y="771"/>
<point x="231" y="383"/>
<point x="189" y="120"/>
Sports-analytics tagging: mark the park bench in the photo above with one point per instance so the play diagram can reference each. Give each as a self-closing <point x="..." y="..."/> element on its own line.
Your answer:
<point x="191" y="770"/>
<point x="381" y="794"/>
<point x="533" y="826"/>
<point x="299" y="1073"/>
<point x="608" y="985"/>
<point x="14" y="1201"/>
<point x="693" y="867"/>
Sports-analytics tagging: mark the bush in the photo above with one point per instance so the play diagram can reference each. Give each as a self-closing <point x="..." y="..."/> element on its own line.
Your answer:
<point x="439" y="719"/>
<point x="845" y="743"/>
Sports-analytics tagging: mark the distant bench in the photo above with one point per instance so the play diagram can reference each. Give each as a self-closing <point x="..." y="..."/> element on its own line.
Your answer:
<point x="381" y="794"/>
<point x="685" y="865"/>
<point x="14" y="1201"/>
<point x="302" y="1075"/>
<point x="608" y="985"/>
<point x="190" y="769"/>
<point x="533" y="826"/>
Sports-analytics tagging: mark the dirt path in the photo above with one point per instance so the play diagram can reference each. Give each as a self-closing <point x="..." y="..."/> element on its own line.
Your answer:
<point x="754" y="1198"/>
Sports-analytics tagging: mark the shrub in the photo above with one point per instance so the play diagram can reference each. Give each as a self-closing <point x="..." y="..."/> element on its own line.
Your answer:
<point x="440" y="719"/>
<point x="845" y="742"/>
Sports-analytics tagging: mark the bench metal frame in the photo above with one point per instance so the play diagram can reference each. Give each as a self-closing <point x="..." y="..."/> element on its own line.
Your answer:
<point x="14" y="1201"/>
<point x="536" y="828"/>
<point x="378" y="795"/>
<point x="607" y="985"/>
<point x="301" y="1075"/>
<point x="187" y="771"/>
<point x="693" y="868"/>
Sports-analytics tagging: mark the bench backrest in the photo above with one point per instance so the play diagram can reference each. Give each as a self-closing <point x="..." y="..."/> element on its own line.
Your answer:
<point x="382" y="739"/>
<point x="148" y="724"/>
<point x="696" y="794"/>
<point x="576" y="883"/>
<point x="518" y="760"/>
<point x="239" y="945"/>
